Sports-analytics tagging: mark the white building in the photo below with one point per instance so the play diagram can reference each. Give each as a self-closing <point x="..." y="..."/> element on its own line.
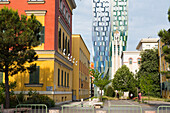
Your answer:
<point x="132" y="60"/>
<point x="147" y="43"/>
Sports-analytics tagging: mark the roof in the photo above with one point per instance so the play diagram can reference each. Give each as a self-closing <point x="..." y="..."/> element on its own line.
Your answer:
<point x="147" y="40"/>
<point x="78" y="35"/>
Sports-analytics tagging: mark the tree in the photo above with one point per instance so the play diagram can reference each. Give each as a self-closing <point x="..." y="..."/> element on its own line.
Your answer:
<point x="18" y="36"/>
<point x="148" y="74"/>
<point x="99" y="81"/>
<point x="123" y="79"/>
<point x="165" y="38"/>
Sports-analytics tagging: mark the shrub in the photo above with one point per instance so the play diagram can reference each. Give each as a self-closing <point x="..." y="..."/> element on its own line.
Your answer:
<point x="110" y="92"/>
<point x="40" y="99"/>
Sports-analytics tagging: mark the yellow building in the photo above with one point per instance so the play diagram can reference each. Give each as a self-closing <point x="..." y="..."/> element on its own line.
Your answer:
<point x="53" y="75"/>
<point x="81" y="69"/>
<point x="165" y="72"/>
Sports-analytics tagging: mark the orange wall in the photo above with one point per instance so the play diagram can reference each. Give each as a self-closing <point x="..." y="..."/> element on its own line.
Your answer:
<point x="49" y="5"/>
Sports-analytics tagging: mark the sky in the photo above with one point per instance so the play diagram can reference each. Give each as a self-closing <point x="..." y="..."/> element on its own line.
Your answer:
<point x="145" y="19"/>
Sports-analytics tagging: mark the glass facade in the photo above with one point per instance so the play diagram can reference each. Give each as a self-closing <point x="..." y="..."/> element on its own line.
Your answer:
<point x="119" y="20"/>
<point x="109" y="16"/>
<point x="101" y="34"/>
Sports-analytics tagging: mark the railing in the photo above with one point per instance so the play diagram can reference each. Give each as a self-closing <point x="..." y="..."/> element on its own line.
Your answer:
<point x="31" y="108"/>
<point x="77" y="109"/>
<point x="125" y="109"/>
<point x="1" y="108"/>
<point x="163" y="109"/>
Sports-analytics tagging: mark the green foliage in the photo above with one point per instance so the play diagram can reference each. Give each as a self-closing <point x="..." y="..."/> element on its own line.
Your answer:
<point x="40" y="99"/>
<point x="36" y="98"/>
<point x="18" y="36"/>
<point x="165" y="38"/>
<point x="99" y="81"/>
<point x="123" y="79"/>
<point x="148" y="74"/>
<point x="110" y="91"/>
<point x="12" y="85"/>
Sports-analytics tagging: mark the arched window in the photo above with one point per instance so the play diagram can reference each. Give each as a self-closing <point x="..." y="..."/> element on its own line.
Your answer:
<point x="139" y="61"/>
<point x="130" y="60"/>
<point x="60" y="4"/>
<point x="59" y="39"/>
<point x="63" y="40"/>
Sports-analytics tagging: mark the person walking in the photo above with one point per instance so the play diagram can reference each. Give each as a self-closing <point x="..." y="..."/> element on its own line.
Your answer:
<point x="139" y="96"/>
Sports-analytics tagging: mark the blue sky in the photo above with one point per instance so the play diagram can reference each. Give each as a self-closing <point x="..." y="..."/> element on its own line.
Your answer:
<point x="145" y="19"/>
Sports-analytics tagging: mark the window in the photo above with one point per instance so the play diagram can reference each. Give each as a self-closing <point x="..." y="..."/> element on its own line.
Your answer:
<point x="42" y="35"/>
<point x="34" y="76"/>
<point x="58" y="77"/>
<point x="67" y="14"/>
<point x="59" y="39"/>
<point x="138" y="60"/>
<point x="62" y="78"/>
<point x="130" y="61"/>
<point x="66" y="45"/>
<point x="69" y="19"/>
<point x="64" y="9"/>
<point x="63" y="40"/>
<point x="1" y="77"/>
<point x="60" y="4"/>
<point x="67" y="79"/>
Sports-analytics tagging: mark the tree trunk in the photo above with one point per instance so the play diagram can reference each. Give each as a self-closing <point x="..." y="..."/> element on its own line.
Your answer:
<point x="7" y="88"/>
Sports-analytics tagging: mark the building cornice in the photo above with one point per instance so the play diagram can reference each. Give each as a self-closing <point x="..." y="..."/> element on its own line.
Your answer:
<point x="4" y="2"/>
<point x="36" y="12"/>
<point x="72" y="3"/>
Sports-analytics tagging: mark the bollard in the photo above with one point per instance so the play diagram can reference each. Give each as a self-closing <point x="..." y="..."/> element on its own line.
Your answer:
<point x="81" y="102"/>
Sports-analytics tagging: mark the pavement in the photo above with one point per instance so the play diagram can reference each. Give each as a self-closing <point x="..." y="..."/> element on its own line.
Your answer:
<point x="150" y="106"/>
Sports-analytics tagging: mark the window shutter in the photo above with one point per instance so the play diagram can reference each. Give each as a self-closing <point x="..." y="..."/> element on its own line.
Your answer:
<point x="43" y="34"/>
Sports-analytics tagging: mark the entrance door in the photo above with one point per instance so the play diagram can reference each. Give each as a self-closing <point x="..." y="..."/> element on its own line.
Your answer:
<point x="73" y="95"/>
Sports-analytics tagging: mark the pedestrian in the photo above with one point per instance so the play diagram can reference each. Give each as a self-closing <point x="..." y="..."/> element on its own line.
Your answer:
<point x="118" y="95"/>
<point x="139" y="96"/>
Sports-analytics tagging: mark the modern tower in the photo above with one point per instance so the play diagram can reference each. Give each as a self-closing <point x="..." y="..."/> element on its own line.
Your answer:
<point x="119" y="32"/>
<point x="110" y="30"/>
<point x="101" y="34"/>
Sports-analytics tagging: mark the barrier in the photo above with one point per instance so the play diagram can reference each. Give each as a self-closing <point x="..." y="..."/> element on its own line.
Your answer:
<point x="77" y="109"/>
<point x="31" y="108"/>
<point x="125" y="109"/>
<point x="163" y="109"/>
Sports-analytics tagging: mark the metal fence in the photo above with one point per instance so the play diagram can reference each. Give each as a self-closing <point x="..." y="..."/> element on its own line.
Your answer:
<point x="31" y="108"/>
<point x="77" y="109"/>
<point x="1" y="108"/>
<point x="125" y="109"/>
<point x="163" y="109"/>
